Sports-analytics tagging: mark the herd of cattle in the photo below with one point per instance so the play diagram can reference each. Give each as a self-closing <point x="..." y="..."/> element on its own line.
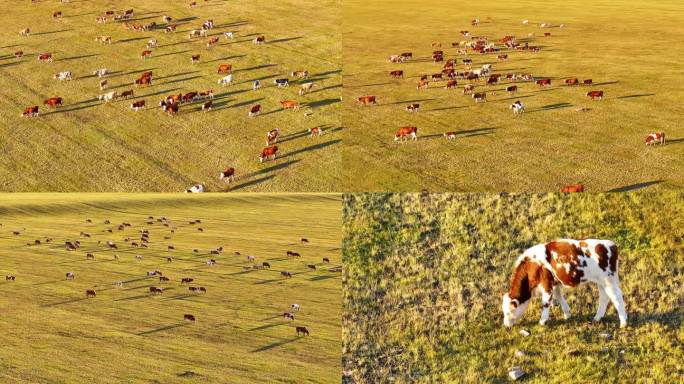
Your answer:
<point x="165" y="228"/>
<point x="171" y="104"/>
<point x="472" y="76"/>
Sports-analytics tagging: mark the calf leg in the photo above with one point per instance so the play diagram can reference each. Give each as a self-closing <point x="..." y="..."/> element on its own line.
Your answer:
<point x="561" y="300"/>
<point x="603" y="304"/>
<point x="615" y="294"/>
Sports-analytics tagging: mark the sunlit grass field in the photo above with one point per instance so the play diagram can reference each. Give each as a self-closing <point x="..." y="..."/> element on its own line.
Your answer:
<point x="631" y="49"/>
<point x="425" y="275"/>
<point x="87" y="145"/>
<point x="52" y="333"/>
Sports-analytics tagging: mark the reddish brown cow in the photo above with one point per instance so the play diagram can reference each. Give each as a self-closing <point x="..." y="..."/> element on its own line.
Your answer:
<point x="290" y="104"/>
<point x="30" y="111"/>
<point x="397" y="74"/>
<point x="146" y="54"/>
<point x="480" y="97"/>
<point x="451" y="84"/>
<point x="587" y="82"/>
<point x="54" y="102"/>
<point x="655" y="138"/>
<point x="45" y="57"/>
<point x="405" y="133"/>
<point x="544" y="82"/>
<point x="365" y="100"/>
<point x="595" y="95"/>
<point x="423" y="84"/>
<point x="268" y="152"/>
<point x="574" y="188"/>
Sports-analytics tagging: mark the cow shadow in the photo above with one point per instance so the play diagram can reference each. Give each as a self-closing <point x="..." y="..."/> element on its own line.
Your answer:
<point x="247" y="185"/>
<point x="323" y="103"/>
<point x="179" y="80"/>
<point x="408" y="101"/>
<point x="51" y="32"/>
<point x="283" y="40"/>
<point x="635" y="96"/>
<point x="173" y="53"/>
<point x="78" y="57"/>
<point x="272" y="168"/>
<point x="274" y="345"/>
<point x="605" y="83"/>
<point x="312" y="148"/>
<point x="225" y="58"/>
<point x="552" y="107"/>
<point x="166" y="328"/>
<point x="635" y="187"/>
<point x="267" y="326"/>
<point x="256" y="67"/>
<point x="75" y="300"/>
<point x="132" y="39"/>
<point x="327" y="88"/>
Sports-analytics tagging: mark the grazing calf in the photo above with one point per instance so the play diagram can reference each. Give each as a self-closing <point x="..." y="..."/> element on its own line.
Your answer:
<point x="302" y="330"/>
<point x="224" y="68"/>
<point x="146" y="54"/>
<point x="170" y="28"/>
<point x="303" y="74"/>
<point x="30" y="111"/>
<point x="163" y="278"/>
<point x="518" y="108"/>
<point x="413" y="107"/>
<point x="54" y="102"/>
<point x="188" y="317"/>
<point x="104" y="39"/>
<point x="286" y="274"/>
<point x="137" y="105"/>
<point x="450" y="135"/>
<point x="156" y="291"/>
<point x="423" y="84"/>
<point x="595" y="95"/>
<point x="10" y="278"/>
<point x="266" y="265"/>
<point x="259" y="40"/>
<point x="574" y="188"/>
<point x="212" y="42"/>
<point x="295" y="307"/>
<point x="228" y="175"/>
<point x="127" y="94"/>
<point x="544" y="82"/>
<point x="311" y="266"/>
<point x="90" y="256"/>
<point x="545" y="268"/>
<point x="304" y="240"/>
<point x="187" y="280"/>
<point x="305" y="88"/>
<point x="587" y="82"/>
<point x="272" y="136"/>
<point x="280" y="83"/>
<point x="655" y="138"/>
<point x="288" y="315"/>
<point x="326" y="260"/>
<point x="101" y="72"/>
<point x="19" y="54"/>
<point x="268" y="152"/>
<point x="315" y="131"/>
<point x="90" y="293"/>
<point x="226" y="80"/>
<point x="397" y="74"/>
<point x="366" y="100"/>
<point x="512" y="89"/>
<point x="47" y="57"/>
<point x="480" y="97"/>
<point x="290" y="104"/>
<point x="468" y="89"/>
<point x="397" y="59"/>
<point x="254" y="110"/>
<point x="207" y="106"/>
<point x="406" y="133"/>
<point x="502" y="57"/>
<point x="66" y="75"/>
<point x="451" y="84"/>
<point x="571" y="82"/>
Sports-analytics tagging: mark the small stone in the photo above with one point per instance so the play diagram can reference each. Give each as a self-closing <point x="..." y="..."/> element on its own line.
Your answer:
<point x="519" y="353"/>
<point x="515" y="373"/>
<point x="524" y="332"/>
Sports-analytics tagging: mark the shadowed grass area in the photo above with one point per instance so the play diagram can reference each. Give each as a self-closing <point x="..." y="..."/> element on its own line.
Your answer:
<point x="90" y="146"/>
<point x="425" y="275"/>
<point x="563" y="138"/>
<point x="125" y="334"/>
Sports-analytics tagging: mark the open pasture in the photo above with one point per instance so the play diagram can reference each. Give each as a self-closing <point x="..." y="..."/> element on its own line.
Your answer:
<point x="425" y="275"/>
<point x="629" y="49"/>
<point x="99" y="137"/>
<point x="135" y="328"/>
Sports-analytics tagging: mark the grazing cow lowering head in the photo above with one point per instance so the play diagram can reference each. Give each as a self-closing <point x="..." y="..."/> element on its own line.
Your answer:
<point x="655" y="138"/>
<point x="574" y="188"/>
<point x="406" y="133"/>
<point x="545" y="268"/>
<point x="365" y="100"/>
<point x="268" y="152"/>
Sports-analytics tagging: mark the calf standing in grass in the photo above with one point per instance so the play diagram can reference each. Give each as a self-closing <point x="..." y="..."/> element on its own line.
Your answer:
<point x="545" y="268"/>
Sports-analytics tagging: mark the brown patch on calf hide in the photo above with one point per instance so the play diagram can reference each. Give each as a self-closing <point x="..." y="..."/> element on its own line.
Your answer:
<point x="602" y="253"/>
<point x="565" y="253"/>
<point x="613" y="258"/>
<point x="526" y="277"/>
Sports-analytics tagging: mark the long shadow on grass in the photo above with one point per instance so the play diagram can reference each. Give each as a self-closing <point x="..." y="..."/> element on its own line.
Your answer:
<point x="256" y="67"/>
<point x="323" y="103"/>
<point x="132" y="39"/>
<point x="65" y="302"/>
<point x="51" y="32"/>
<point x="634" y="187"/>
<point x="283" y="40"/>
<point x="173" y="53"/>
<point x="267" y="326"/>
<point x="552" y="107"/>
<point x="251" y="183"/>
<point x="635" y="96"/>
<point x="166" y="328"/>
<point x="272" y="168"/>
<point x="312" y="148"/>
<point x="274" y="345"/>
<point x="78" y="57"/>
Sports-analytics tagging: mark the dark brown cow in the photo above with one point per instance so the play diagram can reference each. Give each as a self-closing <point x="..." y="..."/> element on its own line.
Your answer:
<point x="413" y="107"/>
<point x="587" y="82"/>
<point x="228" y="175"/>
<point x="286" y="274"/>
<point x="288" y="315"/>
<point x="90" y="293"/>
<point x="156" y="291"/>
<point x="574" y="188"/>
<point x="303" y="331"/>
<point x="512" y="89"/>
<point x="10" y="278"/>
<point x="254" y="110"/>
<point x="480" y="97"/>
<point x="595" y="95"/>
<point x="187" y="280"/>
<point x="397" y="74"/>
<point x="137" y="105"/>
<point x="146" y="54"/>
<point x="18" y="54"/>
<point x="451" y="84"/>
<point x="267" y="152"/>
<point x="194" y="59"/>
<point x="366" y="100"/>
<point x="188" y="317"/>
<point x="259" y="40"/>
<point x="54" y="102"/>
<point x="189" y="97"/>
<point x="30" y="111"/>
<point x="407" y="55"/>
<point x="127" y="94"/>
<point x="502" y="57"/>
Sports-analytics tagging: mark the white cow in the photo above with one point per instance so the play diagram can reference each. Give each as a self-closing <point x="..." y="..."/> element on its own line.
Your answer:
<point x="229" y="35"/>
<point x="66" y="75"/>
<point x="517" y="107"/>
<point x="295" y="307"/>
<point x="107" y="97"/>
<point x="101" y="72"/>
<point x="545" y="268"/>
<point x="197" y="188"/>
<point x="226" y="80"/>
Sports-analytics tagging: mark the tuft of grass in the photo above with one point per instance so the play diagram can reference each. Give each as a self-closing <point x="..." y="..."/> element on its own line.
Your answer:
<point x="552" y="144"/>
<point x="425" y="274"/>
<point x="52" y="334"/>
<point x="89" y="146"/>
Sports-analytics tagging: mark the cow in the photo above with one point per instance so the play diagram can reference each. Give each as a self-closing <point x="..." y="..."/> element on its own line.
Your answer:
<point x="10" y="278"/>
<point x="286" y="274"/>
<point x="127" y="94"/>
<point x="512" y="89"/>
<point x="111" y="245"/>
<point x="547" y="34"/>
<point x="574" y="188"/>
<point x="436" y="76"/>
<point x="423" y="84"/>
<point x="502" y="57"/>
<point x="304" y="240"/>
<point x="468" y="89"/>
<point x="207" y="106"/>
<point x="188" y="317"/>
<point x="194" y="59"/>
<point x="305" y="88"/>
<point x="544" y="82"/>
<point x="267" y="152"/>
<point x="208" y="24"/>
<point x="170" y="28"/>
<point x="480" y="97"/>
<point x="545" y="268"/>
<point x="413" y="107"/>
<point x="143" y="81"/>
<point x="288" y="315"/>
<point x="302" y="330"/>
<point x="493" y="80"/>
<point x="303" y="74"/>
<point x="587" y="82"/>
<point x="451" y="84"/>
<point x="226" y="80"/>
<point x="137" y="105"/>
<point x="315" y="131"/>
<point x="197" y="188"/>
<point x="156" y="291"/>
<point x="163" y="278"/>
<point x="54" y="102"/>
<point x="103" y="39"/>
<point x="259" y="40"/>
<point x="295" y="307"/>
<point x="56" y="14"/>
<point x="266" y="265"/>
<point x="152" y="43"/>
<point x="166" y="19"/>
<point x="256" y="85"/>
<point x="90" y="293"/>
<point x="595" y="95"/>
<point x="171" y="108"/>
<point x="101" y="72"/>
<point x="406" y="133"/>
<point x="272" y="136"/>
<point x="187" y="280"/>
<point x="655" y="138"/>
<point x="30" y="111"/>
<point x="397" y="59"/>
<point x="229" y="35"/>
<point x="70" y="276"/>
<point x="228" y="175"/>
<point x="25" y="32"/>
<point x="517" y="107"/>
<point x="366" y="100"/>
<point x="407" y="55"/>
<point x="290" y="104"/>
<point x="197" y="33"/>
<point x="254" y="110"/>
<point x="450" y="135"/>
<point x="47" y="57"/>
<point x="189" y="97"/>
<point x="66" y="75"/>
<point x="19" y="54"/>
<point x="146" y="54"/>
<point x="281" y="83"/>
<point x="104" y="84"/>
<point x="572" y="81"/>
<point x="398" y="74"/>
<point x="212" y="41"/>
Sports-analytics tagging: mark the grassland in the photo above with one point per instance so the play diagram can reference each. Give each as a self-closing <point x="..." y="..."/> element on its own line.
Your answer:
<point x="631" y="50"/>
<point x="52" y="334"/>
<point x="424" y="276"/>
<point x="89" y="146"/>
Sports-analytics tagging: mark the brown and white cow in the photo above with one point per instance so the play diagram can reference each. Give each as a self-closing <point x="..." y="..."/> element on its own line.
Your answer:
<point x="413" y="107"/>
<point x="146" y="54"/>
<point x="480" y="97"/>
<point x="423" y="84"/>
<point x="595" y="95"/>
<point x="259" y="40"/>
<point x="290" y="104"/>
<point x="571" y="82"/>
<point x="138" y="105"/>
<point x="405" y="133"/>
<point x="254" y="110"/>
<point x="451" y="135"/>
<point x="544" y="82"/>
<point x="397" y="74"/>
<point x="653" y="138"/>
<point x="468" y="89"/>
<point x="54" y="102"/>
<point x="545" y="268"/>
<point x="366" y="100"/>
<point x="228" y="175"/>
<point x="272" y="136"/>
<point x="30" y="111"/>
<point x="268" y="152"/>
<point x="315" y="131"/>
